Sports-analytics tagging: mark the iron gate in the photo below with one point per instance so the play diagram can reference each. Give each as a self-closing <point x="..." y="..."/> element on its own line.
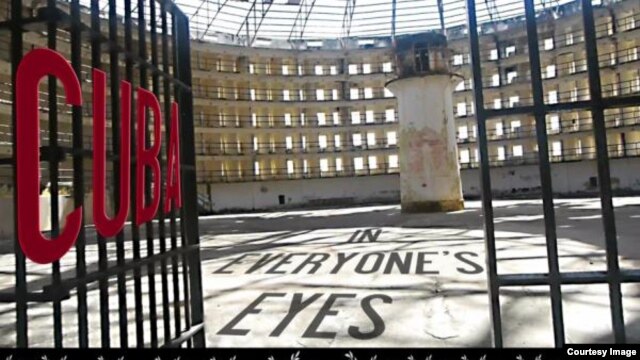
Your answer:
<point x="536" y="105"/>
<point x="143" y="286"/>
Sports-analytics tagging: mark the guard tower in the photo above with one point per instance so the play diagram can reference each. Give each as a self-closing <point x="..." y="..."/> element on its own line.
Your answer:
<point x="429" y="168"/>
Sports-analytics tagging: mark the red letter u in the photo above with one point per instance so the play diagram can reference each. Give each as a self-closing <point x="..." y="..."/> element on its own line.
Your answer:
<point x="147" y="157"/>
<point x="34" y="66"/>
<point x="104" y="225"/>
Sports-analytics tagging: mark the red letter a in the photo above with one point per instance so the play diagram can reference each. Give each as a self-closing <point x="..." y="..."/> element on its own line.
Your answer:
<point x="173" y="192"/>
<point x="104" y="225"/>
<point x="34" y="66"/>
<point x="147" y="157"/>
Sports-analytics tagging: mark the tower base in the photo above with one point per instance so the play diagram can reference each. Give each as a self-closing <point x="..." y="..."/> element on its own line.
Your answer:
<point x="415" y="207"/>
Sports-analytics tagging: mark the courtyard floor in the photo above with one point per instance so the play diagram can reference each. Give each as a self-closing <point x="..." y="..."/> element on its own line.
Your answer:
<point x="371" y="276"/>
<point x="365" y="276"/>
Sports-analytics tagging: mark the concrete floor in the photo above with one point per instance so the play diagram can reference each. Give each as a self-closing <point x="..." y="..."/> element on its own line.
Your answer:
<point x="371" y="276"/>
<point x="420" y="283"/>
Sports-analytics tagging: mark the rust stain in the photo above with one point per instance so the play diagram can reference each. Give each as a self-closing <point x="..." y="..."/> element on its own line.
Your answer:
<point x="427" y="144"/>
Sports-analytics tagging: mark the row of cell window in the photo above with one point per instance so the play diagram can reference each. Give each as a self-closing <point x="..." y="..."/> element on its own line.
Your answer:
<point x="569" y="121"/>
<point x="557" y="152"/>
<point x="500" y="154"/>
<point x="555" y="125"/>
<point x="298" y="169"/>
<point x="568" y="38"/>
<point x="240" y="65"/>
<point x="301" y="119"/>
<point x="334" y="164"/>
<point x="361" y="165"/>
<point x="367" y="140"/>
<point x="619" y="88"/>
<point x="255" y="94"/>
<point x="321" y="70"/>
<point x="357" y="140"/>
<point x="522" y="74"/>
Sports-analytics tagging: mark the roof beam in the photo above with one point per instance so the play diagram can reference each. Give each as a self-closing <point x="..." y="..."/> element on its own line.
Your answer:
<point x="200" y="7"/>
<point x="298" y="17"/>
<point x="492" y="9"/>
<point x="213" y="18"/>
<point x="295" y="22"/>
<point x="441" y="14"/>
<point x="394" y="6"/>
<point x="349" y="9"/>
<point x="246" y="19"/>
<point x="264" y="14"/>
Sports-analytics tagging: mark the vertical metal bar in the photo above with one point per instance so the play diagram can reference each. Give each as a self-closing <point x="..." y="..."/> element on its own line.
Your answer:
<point x="604" y="176"/>
<point x="190" y="193"/>
<point x="186" y="268"/>
<point x="103" y="283"/>
<point x="135" y="231"/>
<point x="54" y="173"/>
<point x="115" y="140"/>
<point x="393" y="20"/>
<point x="485" y="175"/>
<point x="441" y="16"/>
<point x="166" y="314"/>
<point x="172" y="214"/>
<point x="179" y="98"/>
<point x="22" y="340"/>
<point x="545" y="175"/>
<point x="78" y="176"/>
<point x="142" y="46"/>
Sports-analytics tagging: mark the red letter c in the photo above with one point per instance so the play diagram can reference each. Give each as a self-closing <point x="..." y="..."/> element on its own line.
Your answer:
<point x="34" y="66"/>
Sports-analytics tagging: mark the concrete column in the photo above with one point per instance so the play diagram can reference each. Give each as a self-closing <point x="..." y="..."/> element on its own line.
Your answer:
<point x="428" y="154"/>
<point x="428" y="151"/>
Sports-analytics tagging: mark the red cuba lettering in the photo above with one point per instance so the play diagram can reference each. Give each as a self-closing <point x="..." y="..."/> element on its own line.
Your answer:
<point x="40" y="63"/>
<point x="106" y="226"/>
<point x="32" y="69"/>
<point x="147" y="157"/>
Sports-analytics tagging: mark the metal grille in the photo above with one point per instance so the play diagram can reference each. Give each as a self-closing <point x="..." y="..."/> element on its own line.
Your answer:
<point x="142" y="287"/>
<point x="614" y="276"/>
